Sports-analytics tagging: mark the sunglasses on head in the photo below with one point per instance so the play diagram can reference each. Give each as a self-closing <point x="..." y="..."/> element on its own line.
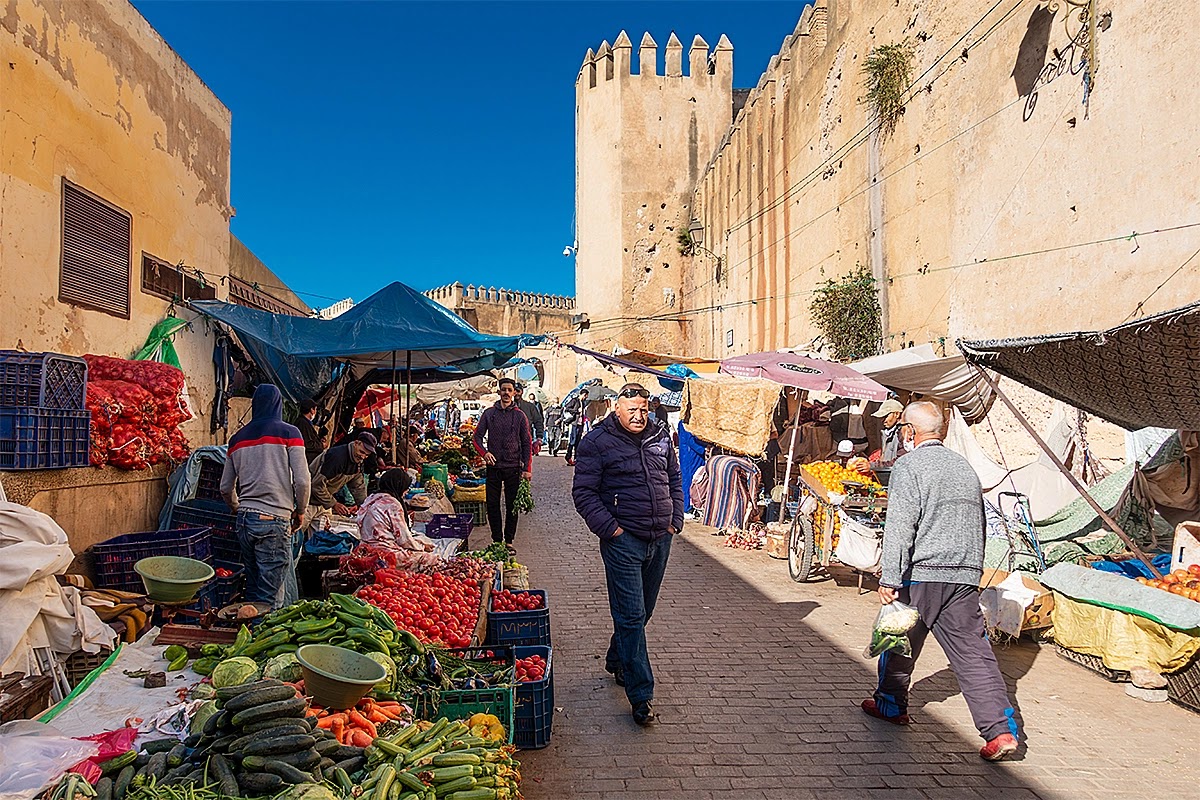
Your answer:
<point x="632" y="392"/>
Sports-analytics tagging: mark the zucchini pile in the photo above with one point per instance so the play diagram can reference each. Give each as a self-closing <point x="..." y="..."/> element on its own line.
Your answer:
<point x="260" y="741"/>
<point x="439" y="761"/>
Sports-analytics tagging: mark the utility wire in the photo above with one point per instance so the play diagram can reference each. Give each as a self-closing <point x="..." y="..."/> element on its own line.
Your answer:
<point x="1138" y="308"/>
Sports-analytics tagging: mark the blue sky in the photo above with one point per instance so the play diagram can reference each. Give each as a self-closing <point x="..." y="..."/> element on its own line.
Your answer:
<point x="424" y="142"/>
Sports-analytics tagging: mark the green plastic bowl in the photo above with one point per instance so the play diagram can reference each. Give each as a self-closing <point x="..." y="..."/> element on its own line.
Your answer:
<point x="336" y="677"/>
<point x="173" y="579"/>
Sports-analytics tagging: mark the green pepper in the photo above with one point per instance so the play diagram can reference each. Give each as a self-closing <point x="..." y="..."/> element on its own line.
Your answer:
<point x="262" y="645"/>
<point x="243" y="640"/>
<point x="350" y="605"/>
<point x="211" y="649"/>
<point x="313" y="625"/>
<point x="206" y="665"/>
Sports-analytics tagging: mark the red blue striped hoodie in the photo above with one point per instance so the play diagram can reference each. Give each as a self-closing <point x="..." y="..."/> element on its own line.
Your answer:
<point x="266" y="470"/>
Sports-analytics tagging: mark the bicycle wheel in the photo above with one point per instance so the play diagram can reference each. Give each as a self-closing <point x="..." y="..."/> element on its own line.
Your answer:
<point x="801" y="548"/>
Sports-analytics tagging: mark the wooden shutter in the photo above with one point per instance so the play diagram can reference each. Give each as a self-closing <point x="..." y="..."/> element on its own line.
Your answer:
<point x="96" y="253"/>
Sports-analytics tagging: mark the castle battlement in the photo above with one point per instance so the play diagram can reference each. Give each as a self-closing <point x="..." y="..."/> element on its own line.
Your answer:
<point x="614" y="62"/>
<point x="455" y="294"/>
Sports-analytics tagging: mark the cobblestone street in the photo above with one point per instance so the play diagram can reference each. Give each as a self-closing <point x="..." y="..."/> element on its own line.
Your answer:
<point x="758" y="682"/>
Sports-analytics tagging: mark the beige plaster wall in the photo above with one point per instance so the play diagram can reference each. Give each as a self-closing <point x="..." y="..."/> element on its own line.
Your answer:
<point x="91" y="93"/>
<point x="994" y="199"/>
<point x="250" y="268"/>
<point x="642" y="140"/>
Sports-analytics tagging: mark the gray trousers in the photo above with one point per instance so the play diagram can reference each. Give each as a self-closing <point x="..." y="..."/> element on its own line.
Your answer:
<point x="951" y="612"/>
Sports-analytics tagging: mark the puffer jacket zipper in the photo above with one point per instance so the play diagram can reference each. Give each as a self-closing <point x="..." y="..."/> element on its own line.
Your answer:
<point x="649" y="484"/>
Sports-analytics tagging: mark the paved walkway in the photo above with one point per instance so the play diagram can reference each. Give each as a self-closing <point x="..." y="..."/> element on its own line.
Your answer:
<point x="758" y="681"/>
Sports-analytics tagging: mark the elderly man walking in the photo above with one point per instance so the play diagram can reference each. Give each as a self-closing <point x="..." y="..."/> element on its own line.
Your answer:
<point x="933" y="560"/>
<point x="266" y="483"/>
<point x="629" y="492"/>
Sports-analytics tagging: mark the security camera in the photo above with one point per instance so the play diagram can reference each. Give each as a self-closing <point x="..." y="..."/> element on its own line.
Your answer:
<point x="567" y="251"/>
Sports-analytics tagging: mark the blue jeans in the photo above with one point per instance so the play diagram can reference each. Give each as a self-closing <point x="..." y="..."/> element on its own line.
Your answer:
<point x="633" y="570"/>
<point x="266" y="543"/>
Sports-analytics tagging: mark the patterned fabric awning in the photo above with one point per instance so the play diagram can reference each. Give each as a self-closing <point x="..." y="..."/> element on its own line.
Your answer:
<point x="1140" y="374"/>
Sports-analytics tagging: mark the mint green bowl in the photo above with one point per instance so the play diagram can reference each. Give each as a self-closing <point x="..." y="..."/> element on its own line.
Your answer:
<point x="336" y="677"/>
<point x="173" y="579"/>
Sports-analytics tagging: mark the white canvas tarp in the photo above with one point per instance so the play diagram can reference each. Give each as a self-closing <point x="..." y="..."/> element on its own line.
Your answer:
<point x="920" y="370"/>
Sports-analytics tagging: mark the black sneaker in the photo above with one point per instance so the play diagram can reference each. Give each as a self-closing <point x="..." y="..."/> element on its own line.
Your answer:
<point x="643" y="713"/>
<point x="618" y="674"/>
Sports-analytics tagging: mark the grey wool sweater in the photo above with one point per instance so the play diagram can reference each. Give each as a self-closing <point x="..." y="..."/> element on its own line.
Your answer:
<point x="935" y="524"/>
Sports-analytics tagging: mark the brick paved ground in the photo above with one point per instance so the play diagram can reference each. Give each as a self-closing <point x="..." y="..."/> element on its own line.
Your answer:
<point x="758" y="681"/>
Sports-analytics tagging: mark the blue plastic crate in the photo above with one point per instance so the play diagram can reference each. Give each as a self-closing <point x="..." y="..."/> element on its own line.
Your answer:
<point x="449" y="526"/>
<point x="42" y="380"/>
<point x="533" y="705"/>
<point x="43" y="438"/>
<point x="208" y="486"/>
<point x="226" y="552"/>
<point x="521" y="628"/>
<point x="113" y="561"/>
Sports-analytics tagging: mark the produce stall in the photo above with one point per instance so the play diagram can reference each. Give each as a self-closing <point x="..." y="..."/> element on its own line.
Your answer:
<point x="419" y="685"/>
<point x="840" y="516"/>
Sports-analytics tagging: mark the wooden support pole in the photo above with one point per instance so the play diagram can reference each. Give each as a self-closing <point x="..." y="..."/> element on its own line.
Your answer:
<point x="1070" y="476"/>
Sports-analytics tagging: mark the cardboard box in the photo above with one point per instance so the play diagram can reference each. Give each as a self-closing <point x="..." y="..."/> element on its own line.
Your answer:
<point x="1037" y="615"/>
<point x="1185" y="550"/>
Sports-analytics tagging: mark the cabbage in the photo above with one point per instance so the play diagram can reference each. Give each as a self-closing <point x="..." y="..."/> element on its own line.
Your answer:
<point x="206" y="710"/>
<point x="283" y="667"/>
<point x="389" y="667"/>
<point x="234" y="671"/>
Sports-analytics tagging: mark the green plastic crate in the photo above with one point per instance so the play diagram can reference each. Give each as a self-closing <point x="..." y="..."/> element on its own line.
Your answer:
<point x="476" y="508"/>
<point x="457" y="704"/>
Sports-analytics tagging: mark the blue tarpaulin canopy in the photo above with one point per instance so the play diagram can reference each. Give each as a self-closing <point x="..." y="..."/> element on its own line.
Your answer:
<point x="391" y="326"/>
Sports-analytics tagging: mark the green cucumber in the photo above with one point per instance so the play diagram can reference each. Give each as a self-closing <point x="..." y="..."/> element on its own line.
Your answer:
<point x="269" y="694"/>
<point x="118" y="763"/>
<point x="279" y="745"/>
<point x="254" y="784"/>
<point x="295" y="707"/>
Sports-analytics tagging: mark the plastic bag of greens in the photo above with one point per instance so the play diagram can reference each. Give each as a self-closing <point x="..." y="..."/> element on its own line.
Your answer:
<point x="891" y="628"/>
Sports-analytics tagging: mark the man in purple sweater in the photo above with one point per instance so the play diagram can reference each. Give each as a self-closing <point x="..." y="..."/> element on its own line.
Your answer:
<point x="509" y="456"/>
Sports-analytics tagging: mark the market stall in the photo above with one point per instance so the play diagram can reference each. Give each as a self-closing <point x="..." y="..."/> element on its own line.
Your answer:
<point x="428" y="679"/>
<point x="1153" y="360"/>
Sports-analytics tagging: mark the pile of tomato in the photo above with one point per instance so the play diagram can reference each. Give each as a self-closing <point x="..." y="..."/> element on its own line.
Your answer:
<point x="530" y="670"/>
<point x="435" y="608"/>
<point x="505" y="600"/>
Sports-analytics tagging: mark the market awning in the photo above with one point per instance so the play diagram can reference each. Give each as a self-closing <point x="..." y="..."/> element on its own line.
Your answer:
<point x="919" y="369"/>
<point x="803" y="372"/>
<point x="1140" y="374"/>
<point x="299" y="352"/>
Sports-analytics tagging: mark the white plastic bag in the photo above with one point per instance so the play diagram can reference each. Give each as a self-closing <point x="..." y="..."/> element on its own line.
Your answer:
<point x="34" y="755"/>
<point x="890" y="631"/>
<point x="858" y="546"/>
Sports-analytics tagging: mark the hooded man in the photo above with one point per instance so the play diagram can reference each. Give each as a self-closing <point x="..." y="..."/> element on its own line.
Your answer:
<point x="266" y="482"/>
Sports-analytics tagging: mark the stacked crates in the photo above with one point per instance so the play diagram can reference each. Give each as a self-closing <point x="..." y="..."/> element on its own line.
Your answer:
<point x="43" y="416"/>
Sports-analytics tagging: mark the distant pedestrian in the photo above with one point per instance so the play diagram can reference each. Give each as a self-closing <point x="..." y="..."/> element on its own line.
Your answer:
<point x="314" y="437"/>
<point x="554" y="417"/>
<point x="575" y="414"/>
<point x="658" y="410"/>
<point x="933" y="546"/>
<point x="453" y="417"/>
<point x="629" y="491"/>
<point x="509" y="457"/>
<point x="266" y="483"/>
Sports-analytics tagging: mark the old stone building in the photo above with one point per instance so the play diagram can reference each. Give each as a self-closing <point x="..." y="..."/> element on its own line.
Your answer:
<point x="114" y="205"/>
<point x="1041" y="177"/>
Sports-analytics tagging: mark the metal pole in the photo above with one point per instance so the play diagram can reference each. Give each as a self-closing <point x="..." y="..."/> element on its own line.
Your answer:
<point x="787" y="471"/>
<point x="392" y="406"/>
<point x="1070" y="476"/>
<point x="408" y="398"/>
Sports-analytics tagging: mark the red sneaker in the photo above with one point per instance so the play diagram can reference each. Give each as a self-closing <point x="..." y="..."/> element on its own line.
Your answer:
<point x="999" y="748"/>
<point x="869" y="708"/>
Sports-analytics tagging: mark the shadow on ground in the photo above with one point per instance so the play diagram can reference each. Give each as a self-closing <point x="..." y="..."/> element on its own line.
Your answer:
<point x="754" y="702"/>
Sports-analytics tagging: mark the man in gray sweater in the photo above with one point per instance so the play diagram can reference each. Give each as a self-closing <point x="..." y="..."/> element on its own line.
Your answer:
<point x="933" y="560"/>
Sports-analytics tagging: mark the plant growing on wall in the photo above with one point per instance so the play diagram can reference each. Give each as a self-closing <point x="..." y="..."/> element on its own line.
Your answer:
<point x="888" y="72"/>
<point x="685" y="242"/>
<point x="846" y="311"/>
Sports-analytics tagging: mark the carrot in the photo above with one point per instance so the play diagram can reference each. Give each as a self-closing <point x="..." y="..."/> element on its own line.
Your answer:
<point x="326" y="722"/>
<point x="360" y="738"/>
<point x="376" y="716"/>
<point x="338" y="727"/>
<point x="362" y="722"/>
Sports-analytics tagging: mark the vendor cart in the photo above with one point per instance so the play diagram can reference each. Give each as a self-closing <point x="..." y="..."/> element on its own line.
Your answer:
<point x="823" y="517"/>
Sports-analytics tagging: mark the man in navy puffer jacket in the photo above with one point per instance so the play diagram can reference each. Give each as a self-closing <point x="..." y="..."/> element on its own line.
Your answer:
<point x="629" y="491"/>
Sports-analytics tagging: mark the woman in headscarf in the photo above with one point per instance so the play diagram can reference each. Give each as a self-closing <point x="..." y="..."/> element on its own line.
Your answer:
<point x="383" y="522"/>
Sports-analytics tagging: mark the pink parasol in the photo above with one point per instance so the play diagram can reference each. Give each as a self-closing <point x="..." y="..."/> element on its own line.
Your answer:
<point x="813" y="374"/>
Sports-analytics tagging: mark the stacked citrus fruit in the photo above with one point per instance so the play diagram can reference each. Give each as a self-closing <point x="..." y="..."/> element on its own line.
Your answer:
<point x="831" y="475"/>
